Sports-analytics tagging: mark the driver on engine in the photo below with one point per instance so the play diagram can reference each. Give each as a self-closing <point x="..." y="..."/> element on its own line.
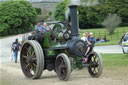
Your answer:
<point x="40" y="28"/>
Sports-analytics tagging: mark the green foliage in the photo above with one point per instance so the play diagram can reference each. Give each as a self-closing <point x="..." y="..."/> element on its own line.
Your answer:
<point x="43" y="17"/>
<point x="39" y="17"/>
<point x="96" y="14"/>
<point x="60" y="10"/>
<point x="50" y="13"/>
<point x="59" y="13"/>
<point x="38" y="11"/>
<point x="92" y="15"/>
<point x="111" y="22"/>
<point x="16" y="17"/>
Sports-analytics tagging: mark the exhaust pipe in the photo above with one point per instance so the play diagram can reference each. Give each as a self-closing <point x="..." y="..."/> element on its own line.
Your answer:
<point x="74" y="20"/>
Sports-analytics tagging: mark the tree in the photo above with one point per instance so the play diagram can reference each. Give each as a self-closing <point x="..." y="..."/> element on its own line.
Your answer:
<point x="16" y="17"/>
<point x="93" y="12"/>
<point x="59" y="13"/>
<point x="60" y="10"/>
<point x="111" y="22"/>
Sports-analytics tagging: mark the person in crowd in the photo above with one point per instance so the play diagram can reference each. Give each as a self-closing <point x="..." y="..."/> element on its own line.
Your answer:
<point x="87" y="35"/>
<point x="15" y="48"/>
<point x="84" y="38"/>
<point x="105" y="39"/>
<point x="91" y="44"/>
<point x="121" y="39"/>
<point x="98" y="39"/>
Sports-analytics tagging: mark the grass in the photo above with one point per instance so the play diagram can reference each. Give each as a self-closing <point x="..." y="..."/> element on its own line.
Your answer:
<point x="114" y="38"/>
<point x="115" y="66"/>
<point x="115" y="60"/>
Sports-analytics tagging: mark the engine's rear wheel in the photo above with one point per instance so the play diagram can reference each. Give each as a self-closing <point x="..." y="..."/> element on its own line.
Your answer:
<point x="95" y="67"/>
<point x="32" y="59"/>
<point x="63" y="67"/>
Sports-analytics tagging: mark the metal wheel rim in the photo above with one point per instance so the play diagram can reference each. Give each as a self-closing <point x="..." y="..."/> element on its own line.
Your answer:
<point x="63" y="66"/>
<point x="38" y="59"/>
<point x="28" y="60"/>
<point x="95" y="65"/>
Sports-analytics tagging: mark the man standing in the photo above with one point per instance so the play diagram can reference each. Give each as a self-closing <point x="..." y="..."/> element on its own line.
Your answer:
<point x="15" y="48"/>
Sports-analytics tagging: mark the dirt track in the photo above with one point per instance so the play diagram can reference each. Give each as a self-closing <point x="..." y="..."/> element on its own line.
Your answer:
<point x="11" y="74"/>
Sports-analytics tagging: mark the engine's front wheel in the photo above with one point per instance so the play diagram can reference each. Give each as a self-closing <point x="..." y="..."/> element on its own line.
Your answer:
<point x="63" y="66"/>
<point x="32" y="59"/>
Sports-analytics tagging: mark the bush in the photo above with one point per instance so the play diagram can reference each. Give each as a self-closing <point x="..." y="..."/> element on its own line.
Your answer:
<point x="16" y="17"/>
<point x="38" y="11"/>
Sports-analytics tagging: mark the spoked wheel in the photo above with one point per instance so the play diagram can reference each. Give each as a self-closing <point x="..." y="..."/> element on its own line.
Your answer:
<point x="32" y="59"/>
<point x="95" y="67"/>
<point x="63" y="67"/>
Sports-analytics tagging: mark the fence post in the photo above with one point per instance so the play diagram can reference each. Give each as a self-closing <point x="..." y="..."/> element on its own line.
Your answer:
<point x="105" y="34"/>
<point x="123" y="31"/>
<point x="117" y="34"/>
<point x="99" y="33"/>
<point x="111" y="36"/>
<point x="94" y="34"/>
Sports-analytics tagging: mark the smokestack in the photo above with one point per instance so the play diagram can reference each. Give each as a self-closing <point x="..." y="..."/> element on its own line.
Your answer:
<point x="74" y="20"/>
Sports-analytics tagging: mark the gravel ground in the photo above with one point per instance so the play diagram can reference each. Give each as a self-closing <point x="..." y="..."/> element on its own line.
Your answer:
<point x="11" y="74"/>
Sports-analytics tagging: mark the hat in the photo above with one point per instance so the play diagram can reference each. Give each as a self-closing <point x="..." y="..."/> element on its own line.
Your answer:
<point x="30" y="34"/>
<point x="83" y="34"/>
<point x="91" y="33"/>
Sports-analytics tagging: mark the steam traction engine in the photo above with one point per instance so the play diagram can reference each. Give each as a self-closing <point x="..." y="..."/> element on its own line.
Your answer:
<point x="53" y="49"/>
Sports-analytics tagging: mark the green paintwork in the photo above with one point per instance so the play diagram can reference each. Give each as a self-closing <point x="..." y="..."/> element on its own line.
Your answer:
<point x="46" y="42"/>
<point x="51" y="52"/>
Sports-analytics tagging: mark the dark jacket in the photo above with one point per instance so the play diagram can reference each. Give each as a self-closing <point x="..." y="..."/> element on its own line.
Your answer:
<point x="15" y="46"/>
<point x="92" y="41"/>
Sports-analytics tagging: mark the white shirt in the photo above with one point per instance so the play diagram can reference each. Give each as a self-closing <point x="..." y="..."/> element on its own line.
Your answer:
<point x="84" y="39"/>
